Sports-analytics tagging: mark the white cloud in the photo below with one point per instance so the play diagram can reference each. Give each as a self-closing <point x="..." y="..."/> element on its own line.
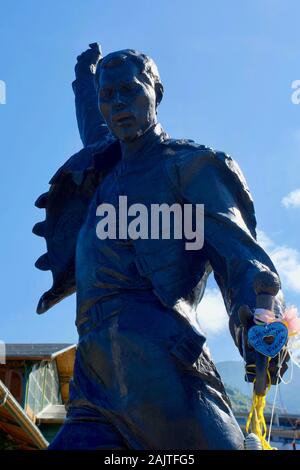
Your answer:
<point x="211" y="313"/>
<point x="286" y="260"/>
<point x="292" y="199"/>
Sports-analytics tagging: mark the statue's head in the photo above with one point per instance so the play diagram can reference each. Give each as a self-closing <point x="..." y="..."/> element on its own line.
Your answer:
<point x="129" y="91"/>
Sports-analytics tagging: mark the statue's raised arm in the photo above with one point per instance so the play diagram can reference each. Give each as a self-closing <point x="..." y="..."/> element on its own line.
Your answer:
<point x="91" y="125"/>
<point x="73" y="185"/>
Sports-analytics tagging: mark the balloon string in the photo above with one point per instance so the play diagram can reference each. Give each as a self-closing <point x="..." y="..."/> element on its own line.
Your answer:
<point x="256" y="419"/>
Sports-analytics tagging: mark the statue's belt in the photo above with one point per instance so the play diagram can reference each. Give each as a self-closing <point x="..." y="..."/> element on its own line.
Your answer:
<point x="98" y="313"/>
<point x="186" y="347"/>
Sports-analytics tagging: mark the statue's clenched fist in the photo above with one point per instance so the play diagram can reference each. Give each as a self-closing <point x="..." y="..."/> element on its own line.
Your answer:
<point x="88" y="60"/>
<point x="278" y="365"/>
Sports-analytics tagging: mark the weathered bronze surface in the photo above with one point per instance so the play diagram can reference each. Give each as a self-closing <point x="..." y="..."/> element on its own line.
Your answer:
<point x="143" y="376"/>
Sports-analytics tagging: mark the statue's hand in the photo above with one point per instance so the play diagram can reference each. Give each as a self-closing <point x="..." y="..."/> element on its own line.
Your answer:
<point x="88" y="60"/>
<point x="277" y="366"/>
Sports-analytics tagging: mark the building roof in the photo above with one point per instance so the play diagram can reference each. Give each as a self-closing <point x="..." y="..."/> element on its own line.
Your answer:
<point x="16" y="424"/>
<point x="31" y="351"/>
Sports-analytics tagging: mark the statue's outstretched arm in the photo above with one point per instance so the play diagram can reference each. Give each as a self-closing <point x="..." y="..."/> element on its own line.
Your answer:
<point x="215" y="180"/>
<point x="91" y="125"/>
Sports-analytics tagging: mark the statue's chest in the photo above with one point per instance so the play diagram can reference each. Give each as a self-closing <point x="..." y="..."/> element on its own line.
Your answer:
<point x="141" y="184"/>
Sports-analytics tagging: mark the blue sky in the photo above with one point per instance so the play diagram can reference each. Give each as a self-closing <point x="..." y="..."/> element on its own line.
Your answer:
<point x="227" y="68"/>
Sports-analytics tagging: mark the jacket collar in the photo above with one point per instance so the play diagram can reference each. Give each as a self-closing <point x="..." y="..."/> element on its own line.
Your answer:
<point x="145" y="145"/>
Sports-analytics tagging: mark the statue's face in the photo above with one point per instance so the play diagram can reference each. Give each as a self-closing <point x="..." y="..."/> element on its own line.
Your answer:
<point x="126" y="101"/>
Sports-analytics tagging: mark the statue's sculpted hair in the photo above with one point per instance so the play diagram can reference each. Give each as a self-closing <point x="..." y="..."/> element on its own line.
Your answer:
<point x="147" y="67"/>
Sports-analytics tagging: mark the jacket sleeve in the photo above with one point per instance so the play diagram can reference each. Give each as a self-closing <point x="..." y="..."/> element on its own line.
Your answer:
<point x="91" y="125"/>
<point x="215" y="180"/>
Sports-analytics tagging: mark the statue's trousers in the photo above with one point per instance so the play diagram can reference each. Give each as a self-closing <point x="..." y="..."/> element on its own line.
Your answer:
<point x="143" y="379"/>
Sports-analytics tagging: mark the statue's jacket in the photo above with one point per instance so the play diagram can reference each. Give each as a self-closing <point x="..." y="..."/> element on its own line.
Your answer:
<point x="179" y="171"/>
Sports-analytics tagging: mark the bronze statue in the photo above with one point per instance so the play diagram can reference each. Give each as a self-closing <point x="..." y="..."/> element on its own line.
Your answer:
<point x="143" y="377"/>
